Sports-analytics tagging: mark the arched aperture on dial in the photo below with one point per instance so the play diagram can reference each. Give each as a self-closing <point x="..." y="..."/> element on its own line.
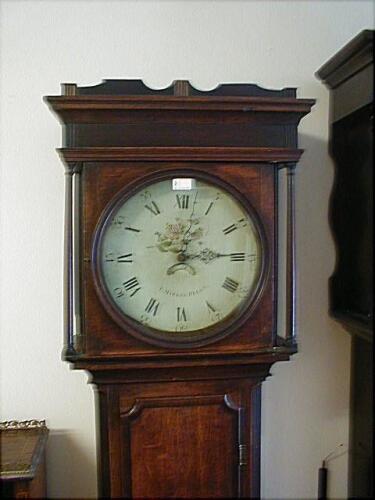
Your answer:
<point x="179" y="258"/>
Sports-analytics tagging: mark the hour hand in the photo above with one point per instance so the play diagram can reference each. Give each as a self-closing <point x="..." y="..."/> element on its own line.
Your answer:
<point x="206" y="255"/>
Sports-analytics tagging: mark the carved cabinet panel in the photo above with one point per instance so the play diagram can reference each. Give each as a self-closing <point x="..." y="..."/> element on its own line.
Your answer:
<point x="197" y="438"/>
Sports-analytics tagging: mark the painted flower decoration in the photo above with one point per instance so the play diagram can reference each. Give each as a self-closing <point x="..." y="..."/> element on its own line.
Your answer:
<point x="173" y="237"/>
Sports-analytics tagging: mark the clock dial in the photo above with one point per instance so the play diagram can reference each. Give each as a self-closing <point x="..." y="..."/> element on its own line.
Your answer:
<point x="179" y="255"/>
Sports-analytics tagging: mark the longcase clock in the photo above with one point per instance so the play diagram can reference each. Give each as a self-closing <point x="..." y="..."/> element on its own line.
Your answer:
<point x="171" y="275"/>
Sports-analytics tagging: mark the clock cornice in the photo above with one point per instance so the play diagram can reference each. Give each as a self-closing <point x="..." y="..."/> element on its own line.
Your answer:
<point x="279" y="156"/>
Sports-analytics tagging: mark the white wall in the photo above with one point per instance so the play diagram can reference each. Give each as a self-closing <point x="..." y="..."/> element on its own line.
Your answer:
<point x="275" y="44"/>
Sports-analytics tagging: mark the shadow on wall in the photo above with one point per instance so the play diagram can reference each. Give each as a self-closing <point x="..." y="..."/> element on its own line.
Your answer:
<point x="71" y="470"/>
<point x="310" y="394"/>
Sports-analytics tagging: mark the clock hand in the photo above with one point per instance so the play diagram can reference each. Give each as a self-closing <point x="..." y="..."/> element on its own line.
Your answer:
<point x="184" y="240"/>
<point x="206" y="255"/>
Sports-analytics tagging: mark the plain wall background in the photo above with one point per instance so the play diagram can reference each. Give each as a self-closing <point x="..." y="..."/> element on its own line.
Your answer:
<point x="272" y="43"/>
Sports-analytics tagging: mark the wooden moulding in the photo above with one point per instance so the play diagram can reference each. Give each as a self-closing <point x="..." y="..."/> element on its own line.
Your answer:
<point x="181" y="153"/>
<point x="172" y="368"/>
<point x="351" y="59"/>
<point x="130" y="102"/>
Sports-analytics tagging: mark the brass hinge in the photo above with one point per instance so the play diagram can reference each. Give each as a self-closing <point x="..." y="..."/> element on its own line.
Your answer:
<point x="242" y="455"/>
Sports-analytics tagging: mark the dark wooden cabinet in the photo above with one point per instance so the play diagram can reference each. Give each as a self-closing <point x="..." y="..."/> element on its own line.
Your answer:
<point x="349" y="75"/>
<point x="177" y="419"/>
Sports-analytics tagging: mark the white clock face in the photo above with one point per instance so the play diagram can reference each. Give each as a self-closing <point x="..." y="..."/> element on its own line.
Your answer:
<point x="180" y="255"/>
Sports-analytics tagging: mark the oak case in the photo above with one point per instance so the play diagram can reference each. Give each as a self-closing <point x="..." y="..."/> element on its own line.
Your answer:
<point x="177" y="421"/>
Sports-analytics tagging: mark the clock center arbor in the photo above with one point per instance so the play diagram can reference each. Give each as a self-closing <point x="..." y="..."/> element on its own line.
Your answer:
<point x="171" y="275"/>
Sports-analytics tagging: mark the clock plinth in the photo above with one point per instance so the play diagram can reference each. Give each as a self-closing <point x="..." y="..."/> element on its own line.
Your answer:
<point x="171" y="276"/>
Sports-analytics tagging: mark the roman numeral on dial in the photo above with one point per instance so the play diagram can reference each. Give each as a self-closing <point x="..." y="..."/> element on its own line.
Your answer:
<point x="132" y="285"/>
<point x="152" y="307"/>
<point x="230" y="229"/>
<point x="230" y="285"/>
<point x="237" y="256"/>
<point x="153" y="208"/>
<point x="233" y="227"/>
<point x="125" y="258"/>
<point x="210" y="307"/>
<point x="213" y="313"/>
<point x="181" y="314"/>
<point x="182" y="200"/>
<point x="121" y="258"/>
<point x="209" y="207"/>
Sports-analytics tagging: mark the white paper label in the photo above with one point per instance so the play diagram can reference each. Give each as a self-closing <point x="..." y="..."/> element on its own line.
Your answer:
<point x="182" y="184"/>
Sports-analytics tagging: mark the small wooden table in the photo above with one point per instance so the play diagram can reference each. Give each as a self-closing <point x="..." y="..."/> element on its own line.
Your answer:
<point x="22" y="459"/>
